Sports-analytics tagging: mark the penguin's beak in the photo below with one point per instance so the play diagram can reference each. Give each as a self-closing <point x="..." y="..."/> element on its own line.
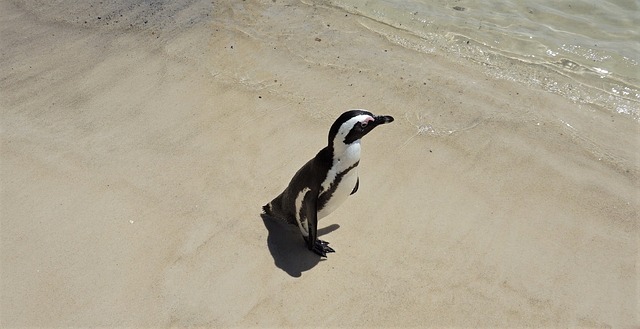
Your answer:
<point x="382" y="119"/>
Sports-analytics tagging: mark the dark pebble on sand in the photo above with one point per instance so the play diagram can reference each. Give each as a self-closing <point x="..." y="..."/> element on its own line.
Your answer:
<point x="458" y="8"/>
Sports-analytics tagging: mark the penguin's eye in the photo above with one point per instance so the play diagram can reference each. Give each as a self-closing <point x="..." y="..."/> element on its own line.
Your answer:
<point x="363" y="124"/>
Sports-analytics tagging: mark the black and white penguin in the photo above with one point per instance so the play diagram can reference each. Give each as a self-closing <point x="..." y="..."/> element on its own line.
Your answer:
<point x="325" y="182"/>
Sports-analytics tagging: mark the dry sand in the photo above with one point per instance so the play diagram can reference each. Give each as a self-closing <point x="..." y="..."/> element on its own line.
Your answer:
<point x="140" y="140"/>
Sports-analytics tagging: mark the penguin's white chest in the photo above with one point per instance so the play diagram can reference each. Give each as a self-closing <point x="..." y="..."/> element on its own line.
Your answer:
<point x="342" y="192"/>
<point x="341" y="179"/>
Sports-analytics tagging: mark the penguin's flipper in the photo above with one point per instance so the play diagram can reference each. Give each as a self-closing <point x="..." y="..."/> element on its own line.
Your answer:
<point x="355" y="188"/>
<point x="318" y="246"/>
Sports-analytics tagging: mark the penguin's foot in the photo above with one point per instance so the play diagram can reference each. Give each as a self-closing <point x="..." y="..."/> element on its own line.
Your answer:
<point x="322" y="248"/>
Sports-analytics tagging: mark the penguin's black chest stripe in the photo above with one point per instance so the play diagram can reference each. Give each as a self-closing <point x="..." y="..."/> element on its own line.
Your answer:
<point x="326" y="195"/>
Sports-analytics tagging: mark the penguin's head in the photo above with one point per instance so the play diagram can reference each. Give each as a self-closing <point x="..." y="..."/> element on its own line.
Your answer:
<point x="352" y="125"/>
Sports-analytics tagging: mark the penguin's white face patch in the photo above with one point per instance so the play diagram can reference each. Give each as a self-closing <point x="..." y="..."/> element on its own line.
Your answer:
<point x="346" y="127"/>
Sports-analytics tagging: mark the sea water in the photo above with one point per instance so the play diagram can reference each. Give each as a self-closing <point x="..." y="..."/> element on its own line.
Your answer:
<point x="585" y="50"/>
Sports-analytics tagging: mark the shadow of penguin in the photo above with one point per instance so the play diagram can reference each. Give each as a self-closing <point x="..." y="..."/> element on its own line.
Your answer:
<point x="287" y="247"/>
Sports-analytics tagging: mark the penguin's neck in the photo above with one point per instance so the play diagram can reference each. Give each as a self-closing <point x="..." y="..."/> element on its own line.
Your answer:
<point x="345" y="155"/>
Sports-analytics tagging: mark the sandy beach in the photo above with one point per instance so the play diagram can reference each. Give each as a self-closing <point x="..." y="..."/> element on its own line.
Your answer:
<point x="139" y="142"/>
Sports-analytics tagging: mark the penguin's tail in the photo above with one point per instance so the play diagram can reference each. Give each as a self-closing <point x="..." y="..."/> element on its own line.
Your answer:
<point x="266" y="209"/>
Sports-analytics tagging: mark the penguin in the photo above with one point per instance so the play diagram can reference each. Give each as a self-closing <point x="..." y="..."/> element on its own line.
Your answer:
<point x="325" y="181"/>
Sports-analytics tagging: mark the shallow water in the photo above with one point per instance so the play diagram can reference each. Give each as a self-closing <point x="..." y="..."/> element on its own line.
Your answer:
<point x="587" y="51"/>
<point x="436" y="84"/>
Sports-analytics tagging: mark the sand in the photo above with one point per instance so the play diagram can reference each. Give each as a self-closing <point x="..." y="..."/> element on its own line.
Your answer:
<point x="140" y="140"/>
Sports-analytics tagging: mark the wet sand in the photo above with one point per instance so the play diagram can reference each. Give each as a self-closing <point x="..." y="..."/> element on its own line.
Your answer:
<point x="140" y="141"/>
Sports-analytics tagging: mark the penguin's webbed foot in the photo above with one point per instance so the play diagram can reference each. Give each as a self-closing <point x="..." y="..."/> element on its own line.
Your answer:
<point x="322" y="248"/>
